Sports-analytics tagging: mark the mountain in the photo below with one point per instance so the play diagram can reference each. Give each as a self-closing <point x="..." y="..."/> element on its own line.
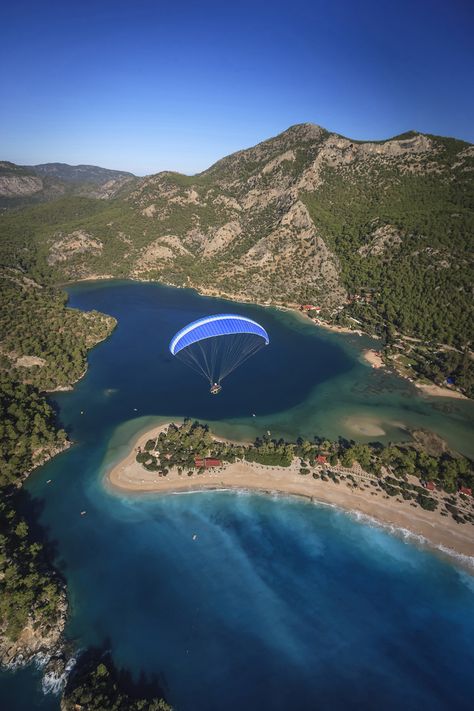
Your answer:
<point x="16" y="181"/>
<point x="313" y="217"/>
<point x="241" y="227"/>
<point x="79" y="173"/>
<point x="377" y="233"/>
<point x="22" y="185"/>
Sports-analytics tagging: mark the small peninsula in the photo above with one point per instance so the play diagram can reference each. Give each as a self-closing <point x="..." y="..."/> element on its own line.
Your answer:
<point x="399" y="486"/>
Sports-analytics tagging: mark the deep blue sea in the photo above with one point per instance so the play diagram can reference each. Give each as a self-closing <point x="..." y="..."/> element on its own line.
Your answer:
<point x="277" y="603"/>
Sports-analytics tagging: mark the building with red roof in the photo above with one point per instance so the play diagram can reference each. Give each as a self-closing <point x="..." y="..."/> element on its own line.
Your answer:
<point x="207" y="462"/>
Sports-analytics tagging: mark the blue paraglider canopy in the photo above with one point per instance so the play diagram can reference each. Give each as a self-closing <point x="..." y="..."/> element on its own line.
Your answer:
<point x="216" y="345"/>
<point x="218" y="325"/>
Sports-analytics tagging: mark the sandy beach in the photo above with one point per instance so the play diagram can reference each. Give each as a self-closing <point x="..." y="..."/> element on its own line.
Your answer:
<point x="374" y="358"/>
<point x="338" y="329"/>
<point x="439" y="391"/>
<point x="128" y="475"/>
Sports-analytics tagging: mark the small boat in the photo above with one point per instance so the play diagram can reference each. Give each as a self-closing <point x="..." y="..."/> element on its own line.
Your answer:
<point x="49" y="481"/>
<point x="83" y="513"/>
<point x="82" y="412"/>
<point x="194" y="536"/>
<point x="253" y="414"/>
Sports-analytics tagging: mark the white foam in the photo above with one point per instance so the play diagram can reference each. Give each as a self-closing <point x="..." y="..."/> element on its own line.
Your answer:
<point x="53" y="683"/>
<point x="410" y="537"/>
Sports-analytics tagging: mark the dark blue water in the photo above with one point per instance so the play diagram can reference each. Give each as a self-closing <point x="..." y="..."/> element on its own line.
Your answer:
<point x="138" y="369"/>
<point x="277" y="603"/>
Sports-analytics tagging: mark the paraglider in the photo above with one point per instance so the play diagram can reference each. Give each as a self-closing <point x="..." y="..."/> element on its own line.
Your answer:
<point x="216" y="345"/>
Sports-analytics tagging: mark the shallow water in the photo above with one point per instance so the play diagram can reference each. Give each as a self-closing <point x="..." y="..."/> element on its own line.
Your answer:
<point x="278" y="603"/>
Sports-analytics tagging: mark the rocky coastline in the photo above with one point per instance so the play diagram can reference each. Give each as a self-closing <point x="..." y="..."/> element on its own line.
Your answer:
<point x="44" y="646"/>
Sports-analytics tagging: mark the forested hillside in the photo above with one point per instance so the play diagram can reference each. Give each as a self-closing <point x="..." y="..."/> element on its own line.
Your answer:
<point x="43" y="346"/>
<point x="405" y="238"/>
<point x="44" y="343"/>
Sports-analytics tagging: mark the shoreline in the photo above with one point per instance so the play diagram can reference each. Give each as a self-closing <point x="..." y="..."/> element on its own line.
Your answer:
<point x="369" y="356"/>
<point x="439" y="391"/>
<point x="129" y="477"/>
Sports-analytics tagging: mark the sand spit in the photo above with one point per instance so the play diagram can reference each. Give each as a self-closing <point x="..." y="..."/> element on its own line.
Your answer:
<point x="128" y="475"/>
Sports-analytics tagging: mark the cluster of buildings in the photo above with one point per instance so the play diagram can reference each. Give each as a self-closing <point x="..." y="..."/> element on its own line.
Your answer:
<point x="431" y="486"/>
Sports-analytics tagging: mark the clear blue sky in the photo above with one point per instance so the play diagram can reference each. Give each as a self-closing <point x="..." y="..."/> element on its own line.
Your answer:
<point x="152" y="85"/>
